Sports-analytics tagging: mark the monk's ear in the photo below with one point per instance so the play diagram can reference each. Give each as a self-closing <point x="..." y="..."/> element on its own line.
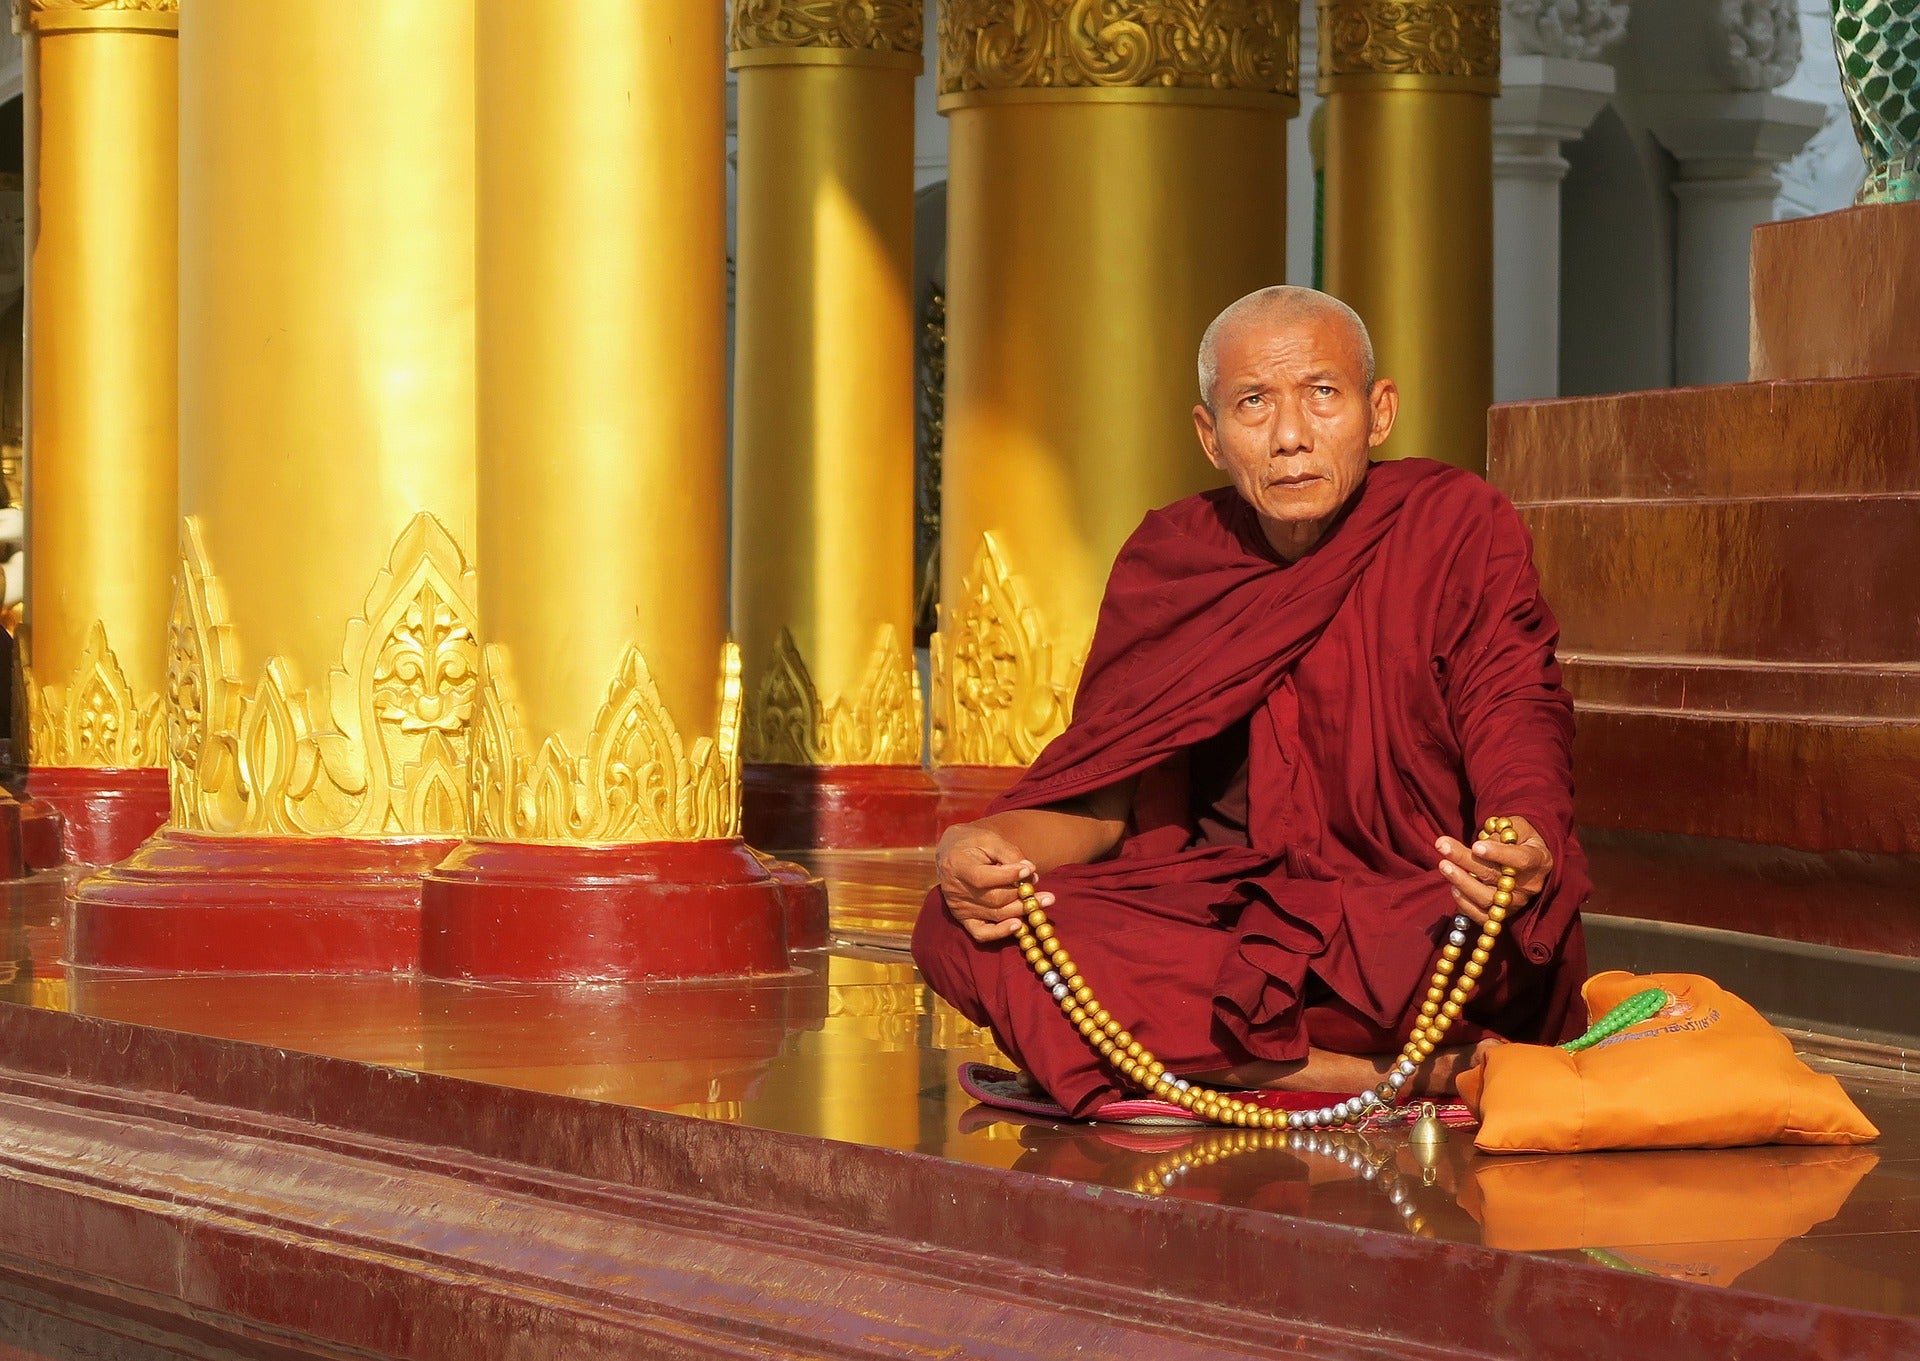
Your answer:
<point x="1209" y="438"/>
<point x="1385" y="403"/>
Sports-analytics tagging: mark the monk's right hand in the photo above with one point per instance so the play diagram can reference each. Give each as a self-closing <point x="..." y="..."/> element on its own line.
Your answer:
<point x="980" y="874"/>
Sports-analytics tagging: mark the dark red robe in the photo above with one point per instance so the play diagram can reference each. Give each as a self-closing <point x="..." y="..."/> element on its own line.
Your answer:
<point x="1396" y="684"/>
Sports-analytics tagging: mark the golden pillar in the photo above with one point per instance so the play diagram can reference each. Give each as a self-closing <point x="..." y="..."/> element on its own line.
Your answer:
<point x="1111" y="188"/>
<point x="1409" y="205"/>
<point x="102" y="197"/>
<point x="322" y="659"/>
<point x="823" y="423"/>
<point x="606" y="769"/>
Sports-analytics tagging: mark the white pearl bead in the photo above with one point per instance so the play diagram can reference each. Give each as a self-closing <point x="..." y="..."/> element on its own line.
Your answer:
<point x="1396" y="1079"/>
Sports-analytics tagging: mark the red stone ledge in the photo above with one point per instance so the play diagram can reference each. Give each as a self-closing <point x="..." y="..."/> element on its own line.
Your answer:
<point x="322" y="1202"/>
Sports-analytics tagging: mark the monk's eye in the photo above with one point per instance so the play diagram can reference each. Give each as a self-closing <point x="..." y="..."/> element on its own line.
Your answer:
<point x="1254" y="400"/>
<point x="1323" y="391"/>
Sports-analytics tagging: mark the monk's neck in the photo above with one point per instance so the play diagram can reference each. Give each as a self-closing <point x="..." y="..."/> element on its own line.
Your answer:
<point x="1292" y="540"/>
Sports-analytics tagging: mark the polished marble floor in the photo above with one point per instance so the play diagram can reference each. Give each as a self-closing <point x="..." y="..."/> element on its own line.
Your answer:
<point x="853" y="1046"/>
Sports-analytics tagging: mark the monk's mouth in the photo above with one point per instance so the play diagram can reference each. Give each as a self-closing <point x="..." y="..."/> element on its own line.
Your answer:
<point x="1299" y="481"/>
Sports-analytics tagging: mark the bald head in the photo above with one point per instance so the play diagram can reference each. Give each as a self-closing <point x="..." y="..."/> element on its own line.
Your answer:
<point x="1274" y="308"/>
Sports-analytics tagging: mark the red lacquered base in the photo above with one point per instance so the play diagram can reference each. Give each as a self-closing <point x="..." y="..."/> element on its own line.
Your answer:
<point x="190" y="903"/>
<point x="803" y="902"/>
<point x="842" y="808"/>
<point x="104" y="815"/>
<point x="965" y="791"/>
<point x="42" y="837"/>
<point x="507" y="911"/>
<point x="13" y="863"/>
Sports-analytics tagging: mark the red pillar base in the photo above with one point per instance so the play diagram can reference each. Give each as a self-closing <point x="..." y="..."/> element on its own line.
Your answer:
<point x="803" y="902"/>
<point x="190" y="903"/>
<point x="842" y="808"/>
<point x="42" y="835"/>
<point x="104" y="815"/>
<point x="965" y="791"/>
<point x="13" y="863"/>
<point x="521" y="912"/>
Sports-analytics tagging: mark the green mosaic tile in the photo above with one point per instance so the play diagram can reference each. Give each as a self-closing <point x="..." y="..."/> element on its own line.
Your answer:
<point x="1878" y="44"/>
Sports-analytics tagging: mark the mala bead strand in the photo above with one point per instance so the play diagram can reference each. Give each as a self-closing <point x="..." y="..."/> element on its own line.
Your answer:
<point x="1040" y="945"/>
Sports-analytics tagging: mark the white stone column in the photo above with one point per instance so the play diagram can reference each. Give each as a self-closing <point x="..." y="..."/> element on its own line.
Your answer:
<point x="1300" y="171"/>
<point x="1544" y="102"/>
<point x="929" y="128"/>
<point x="1728" y="147"/>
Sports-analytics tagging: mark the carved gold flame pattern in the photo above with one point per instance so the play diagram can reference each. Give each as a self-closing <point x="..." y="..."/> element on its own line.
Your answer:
<point x="392" y="759"/>
<point x="996" y="701"/>
<point x="855" y="25"/>
<point x="1416" y="38"/>
<point x="879" y="724"/>
<point x="1246" y="46"/>
<point x="637" y="781"/>
<point x="95" y="718"/>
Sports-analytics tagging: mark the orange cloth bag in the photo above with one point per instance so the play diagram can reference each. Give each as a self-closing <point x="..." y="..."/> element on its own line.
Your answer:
<point x="1707" y="1072"/>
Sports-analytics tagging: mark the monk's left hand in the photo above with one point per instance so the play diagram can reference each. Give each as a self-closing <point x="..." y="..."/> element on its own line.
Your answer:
<point x="1471" y="870"/>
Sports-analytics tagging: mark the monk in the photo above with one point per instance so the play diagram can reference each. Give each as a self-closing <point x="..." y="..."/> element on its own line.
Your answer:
<point x="1305" y="694"/>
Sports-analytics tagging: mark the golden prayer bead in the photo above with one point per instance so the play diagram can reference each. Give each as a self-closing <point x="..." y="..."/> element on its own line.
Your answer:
<point x="1032" y="952"/>
<point x="1133" y="1048"/>
<point x="1450" y="953"/>
<point x="1481" y="955"/>
<point x="1502" y="898"/>
<point x="1450" y="1009"/>
<point x="1083" y="995"/>
<point x="1434" y="994"/>
<point x="1120" y="1036"/>
<point x="1044" y="931"/>
<point x="1472" y="970"/>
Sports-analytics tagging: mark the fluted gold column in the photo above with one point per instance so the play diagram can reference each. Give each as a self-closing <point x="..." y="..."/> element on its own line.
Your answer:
<point x="823" y="422"/>
<point x="1409" y="205"/>
<point x="1111" y="188"/>
<point x="606" y="771"/>
<point x="322" y="656"/>
<point x="102" y="198"/>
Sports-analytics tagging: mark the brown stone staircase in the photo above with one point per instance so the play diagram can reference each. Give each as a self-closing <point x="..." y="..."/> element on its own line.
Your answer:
<point x="1736" y="571"/>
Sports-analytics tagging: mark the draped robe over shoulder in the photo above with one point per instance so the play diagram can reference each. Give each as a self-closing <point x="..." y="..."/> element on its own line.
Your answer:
<point x="1302" y="733"/>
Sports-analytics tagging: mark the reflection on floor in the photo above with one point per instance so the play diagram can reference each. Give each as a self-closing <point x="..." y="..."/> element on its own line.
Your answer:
<point x="853" y="1046"/>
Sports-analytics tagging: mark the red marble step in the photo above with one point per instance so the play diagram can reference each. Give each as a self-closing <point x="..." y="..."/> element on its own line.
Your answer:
<point x="335" y="1205"/>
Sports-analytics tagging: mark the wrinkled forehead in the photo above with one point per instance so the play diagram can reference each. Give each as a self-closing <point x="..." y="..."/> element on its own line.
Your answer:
<point x="1296" y="342"/>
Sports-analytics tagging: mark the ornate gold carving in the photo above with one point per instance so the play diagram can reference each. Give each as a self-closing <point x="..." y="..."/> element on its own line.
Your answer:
<point x="638" y="781"/>
<point x="96" y="718"/>
<point x="32" y="14"/>
<point x="1417" y="38"/>
<point x="995" y="699"/>
<point x="878" y="725"/>
<point x="853" y="25"/>
<point x="1247" y="46"/>
<point x="392" y="760"/>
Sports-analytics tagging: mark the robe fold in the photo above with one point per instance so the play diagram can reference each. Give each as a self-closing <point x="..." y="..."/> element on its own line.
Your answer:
<point x="1301" y="733"/>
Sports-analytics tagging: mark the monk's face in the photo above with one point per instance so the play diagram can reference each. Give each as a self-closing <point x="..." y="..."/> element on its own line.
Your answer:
<point x="1293" y="422"/>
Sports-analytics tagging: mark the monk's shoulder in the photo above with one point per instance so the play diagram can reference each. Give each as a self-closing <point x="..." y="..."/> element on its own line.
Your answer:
<point x="1445" y="502"/>
<point x="1207" y="516"/>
